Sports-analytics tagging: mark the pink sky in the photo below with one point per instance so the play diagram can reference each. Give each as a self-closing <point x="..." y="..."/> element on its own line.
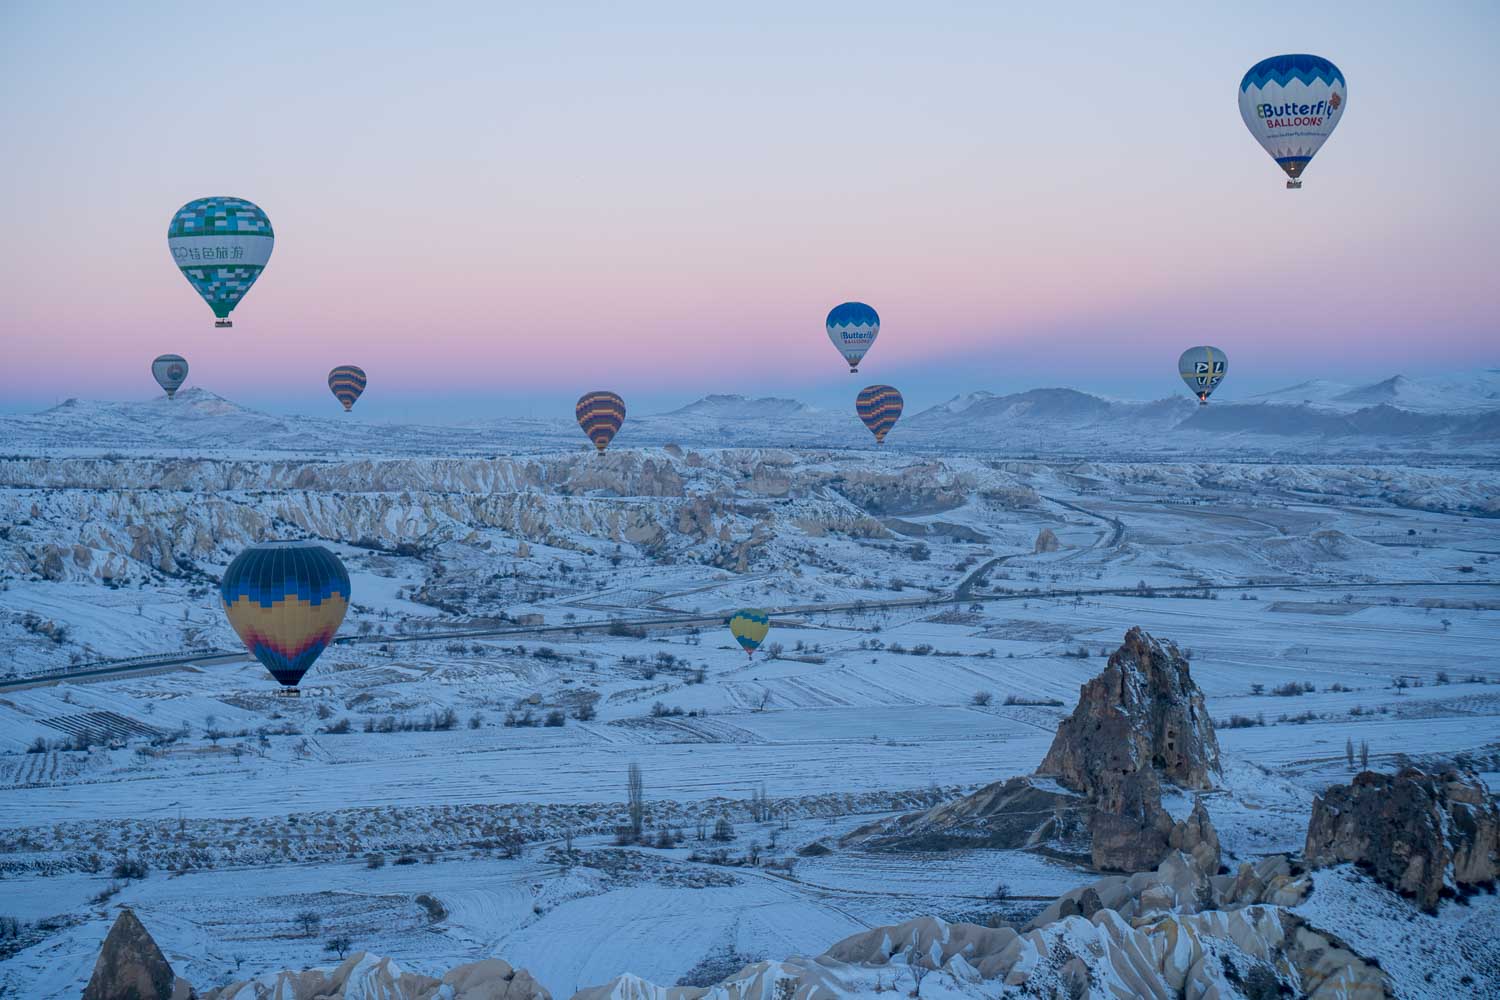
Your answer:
<point x="503" y="206"/>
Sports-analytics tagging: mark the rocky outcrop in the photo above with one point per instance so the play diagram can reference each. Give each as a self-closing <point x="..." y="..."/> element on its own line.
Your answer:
<point x="131" y="967"/>
<point x="1422" y="834"/>
<point x="1142" y="711"/>
<point x="1159" y="957"/>
<point x="1180" y="885"/>
<point x="1141" y="721"/>
<point x="1162" y="935"/>
<point x="363" y="975"/>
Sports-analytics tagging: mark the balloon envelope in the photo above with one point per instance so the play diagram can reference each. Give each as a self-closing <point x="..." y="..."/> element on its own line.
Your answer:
<point x="285" y="600"/>
<point x="879" y="406"/>
<point x="749" y="627"/>
<point x="1291" y="104"/>
<point x="853" y="327"/>
<point x="347" y="383"/>
<point x="221" y="245"/>
<point x="170" y="371"/>
<point x="600" y="414"/>
<point x="1202" y="368"/>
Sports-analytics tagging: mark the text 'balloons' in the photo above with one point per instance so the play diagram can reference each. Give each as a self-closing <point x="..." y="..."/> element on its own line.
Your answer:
<point x="853" y="327"/>
<point x="1291" y="105"/>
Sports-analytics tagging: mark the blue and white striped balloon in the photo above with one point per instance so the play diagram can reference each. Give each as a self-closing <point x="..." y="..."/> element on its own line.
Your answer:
<point x="1291" y="104"/>
<point x="853" y="327"/>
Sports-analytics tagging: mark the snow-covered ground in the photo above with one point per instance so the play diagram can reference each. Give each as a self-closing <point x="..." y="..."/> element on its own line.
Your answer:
<point x="509" y="588"/>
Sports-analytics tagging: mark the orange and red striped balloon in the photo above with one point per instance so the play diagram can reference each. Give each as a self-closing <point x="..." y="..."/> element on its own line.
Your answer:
<point x="347" y="382"/>
<point x="879" y="406"/>
<point x="600" y="414"/>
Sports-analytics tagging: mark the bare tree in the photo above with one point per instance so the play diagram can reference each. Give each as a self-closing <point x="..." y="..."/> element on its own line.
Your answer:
<point x="1349" y="752"/>
<point x="1364" y="755"/>
<point x="338" y="945"/>
<point x="309" y="921"/>
<point x="635" y="787"/>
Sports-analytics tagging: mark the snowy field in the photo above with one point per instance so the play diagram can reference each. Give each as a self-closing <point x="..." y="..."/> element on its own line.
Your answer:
<point x="933" y="620"/>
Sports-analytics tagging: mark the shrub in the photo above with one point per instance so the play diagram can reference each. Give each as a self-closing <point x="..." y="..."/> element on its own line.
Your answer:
<point x="584" y="712"/>
<point x="127" y="868"/>
<point x="555" y="718"/>
<point x="106" y="894"/>
<point x="374" y="860"/>
<point x="476" y="720"/>
<point x="1287" y="690"/>
<point x="982" y="698"/>
<point x="436" y="911"/>
<point x="339" y="728"/>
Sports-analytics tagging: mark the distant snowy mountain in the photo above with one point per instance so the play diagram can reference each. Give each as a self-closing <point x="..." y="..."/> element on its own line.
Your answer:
<point x="1464" y="392"/>
<point x="721" y="407"/>
<point x="1057" y="409"/>
<point x="1458" y="411"/>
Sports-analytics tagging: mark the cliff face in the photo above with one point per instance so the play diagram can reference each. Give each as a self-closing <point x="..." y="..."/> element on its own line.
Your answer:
<point x="1420" y="834"/>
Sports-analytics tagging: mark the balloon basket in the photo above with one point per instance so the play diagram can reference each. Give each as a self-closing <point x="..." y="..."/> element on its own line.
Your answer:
<point x="222" y="323"/>
<point x="1293" y="185"/>
<point x="288" y="692"/>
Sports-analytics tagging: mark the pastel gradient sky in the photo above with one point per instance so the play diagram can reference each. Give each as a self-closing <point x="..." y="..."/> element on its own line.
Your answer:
<point x="494" y="208"/>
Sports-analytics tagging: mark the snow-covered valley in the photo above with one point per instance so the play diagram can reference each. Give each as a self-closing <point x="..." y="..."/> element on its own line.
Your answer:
<point x="528" y="621"/>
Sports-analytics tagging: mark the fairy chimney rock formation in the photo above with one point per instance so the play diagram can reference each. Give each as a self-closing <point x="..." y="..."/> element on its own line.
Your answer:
<point x="131" y="967"/>
<point x="1143" y="712"/>
<point x="1141" y="721"/>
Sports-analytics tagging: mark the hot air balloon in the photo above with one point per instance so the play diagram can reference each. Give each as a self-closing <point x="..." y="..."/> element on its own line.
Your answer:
<point x="347" y="382"/>
<point x="170" y="371"/>
<point x="1202" y="369"/>
<point x="853" y="327"/>
<point x="749" y="627"/>
<point x="1291" y="104"/>
<point x="600" y="414"/>
<point x="285" y="600"/>
<point x="879" y="406"/>
<point x="220" y="245"/>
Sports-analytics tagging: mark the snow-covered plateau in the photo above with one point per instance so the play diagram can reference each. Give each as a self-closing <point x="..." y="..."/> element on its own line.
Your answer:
<point x="530" y="619"/>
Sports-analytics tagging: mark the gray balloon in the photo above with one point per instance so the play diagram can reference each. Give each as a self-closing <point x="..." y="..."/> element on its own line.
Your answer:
<point x="170" y="371"/>
<point x="1202" y="368"/>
